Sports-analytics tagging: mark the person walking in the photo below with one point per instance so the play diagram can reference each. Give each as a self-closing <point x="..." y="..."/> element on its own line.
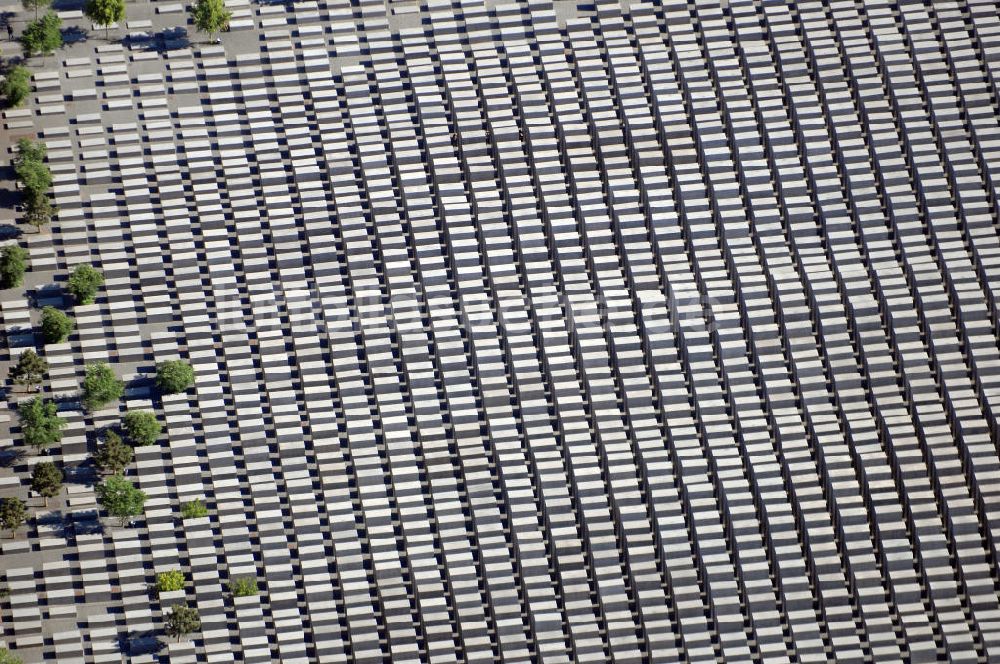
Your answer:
<point x="10" y="32"/>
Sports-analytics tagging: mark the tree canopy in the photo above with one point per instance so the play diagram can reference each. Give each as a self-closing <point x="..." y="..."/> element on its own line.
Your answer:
<point x="182" y="620"/>
<point x="42" y="36"/>
<point x="142" y="427"/>
<point x="46" y="480"/>
<point x="29" y="166"/>
<point x="13" y="264"/>
<point x="38" y="210"/>
<point x="56" y="325"/>
<point x="16" y="85"/>
<point x="114" y="455"/>
<point x="174" y="376"/>
<point x="84" y="282"/>
<point x="120" y="498"/>
<point x="101" y="386"/>
<point x="35" y="177"/>
<point x="29" y="151"/>
<point x="29" y="370"/>
<point x="40" y="424"/>
<point x="13" y="513"/>
<point x="105" y="12"/>
<point x="211" y="16"/>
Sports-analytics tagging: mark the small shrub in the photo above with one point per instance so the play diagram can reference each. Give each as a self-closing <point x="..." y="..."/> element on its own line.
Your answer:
<point x="194" y="509"/>
<point x="169" y="581"/>
<point x="243" y="586"/>
<point x="7" y="657"/>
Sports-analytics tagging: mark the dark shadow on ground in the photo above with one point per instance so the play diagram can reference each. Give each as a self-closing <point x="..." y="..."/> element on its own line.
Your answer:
<point x="55" y="522"/>
<point x="86" y="522"/>
<point x="11" y="455"/>
<point x="48" y="295"/>
<point x="137" y="643"/>
<point x="166" y="40"/>
<point x="9" y="232"/>
<point x="65" y="5"/>
<point x="75" y="35"/>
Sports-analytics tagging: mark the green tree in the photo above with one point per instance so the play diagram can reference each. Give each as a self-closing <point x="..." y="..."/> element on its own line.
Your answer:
<point x="16" y="85"/>
<point x="105" y="12"/>
<point x="142" y="427"/>
<point x="169" y="581"/>
<point x="243" y="586"/>
<point x="38" y="211"/>
<point x="42" y="36"/>
<point x="84" y="282"/>
<point x="120" y="498"/>
<point x="29" y="370"/>
<point x="101" y="386"/>
<point x="193" y="509"/>
<point x="46" y="480"/>
<point x="13" y="513"/>
<point x="211" y="16"/>
<point x="174" y="376"/>
<point x="114" y="455"/>
<point x="13" y="263"/>
<point x="40" y="425"/>
<point x="29" y="166"/>
<point x="29" y="150"/>
<point x="56" y="325"/>
<point x="182" y="620"/>
<point x="36" y="5"/>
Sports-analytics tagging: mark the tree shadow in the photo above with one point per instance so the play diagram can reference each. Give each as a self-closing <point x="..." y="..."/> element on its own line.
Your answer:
<point x="9" y="198"/>
<point x="137" y="40"/>
<point x="136" y="643"/>
<point x="142" y="382"/>
<point x="11" y="455"/>
<point x="49" y="295"/>
<point x="170" y="39"/>
<point x="9" y="232"/>
<point x="87" y="522"/>
<point x="74" y="35"/>
<point x="54" y="522"/>
<point x="85" y="472"/>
